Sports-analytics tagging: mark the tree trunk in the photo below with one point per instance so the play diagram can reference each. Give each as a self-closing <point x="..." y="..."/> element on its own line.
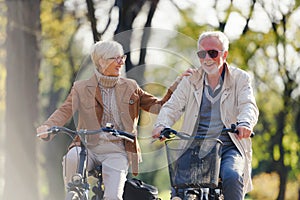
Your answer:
<point x="281" y="168"/>
<point x="22" y="63"/>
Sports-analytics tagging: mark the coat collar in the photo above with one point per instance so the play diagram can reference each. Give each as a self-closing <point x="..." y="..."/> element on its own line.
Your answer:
<point x="228" y="81"/>
<point x="93" y="88"/>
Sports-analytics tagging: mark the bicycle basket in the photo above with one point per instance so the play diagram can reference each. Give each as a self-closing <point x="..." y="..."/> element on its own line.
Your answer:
<point x="196" y="165"/>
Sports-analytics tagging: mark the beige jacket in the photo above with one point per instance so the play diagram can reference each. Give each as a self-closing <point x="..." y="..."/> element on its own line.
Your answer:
<point x="237" y="105"/>
<point x="85" y="99"/>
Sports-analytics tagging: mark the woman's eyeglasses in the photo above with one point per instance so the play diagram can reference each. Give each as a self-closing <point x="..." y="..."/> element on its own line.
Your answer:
<point x="119" y="59"/>
<point x="212" y="53"/>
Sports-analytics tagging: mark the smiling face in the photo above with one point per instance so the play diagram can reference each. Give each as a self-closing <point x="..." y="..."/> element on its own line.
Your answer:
<point x="114" y="66"/>
<point x="108" y="57"/>
<point x="211" y="61"/>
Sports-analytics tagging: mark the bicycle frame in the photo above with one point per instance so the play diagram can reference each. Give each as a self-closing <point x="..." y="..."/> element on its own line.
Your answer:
<point x="79" y="183"/>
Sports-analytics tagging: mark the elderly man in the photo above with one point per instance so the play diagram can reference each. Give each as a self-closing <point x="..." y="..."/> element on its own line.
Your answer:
<point x="216" y="96"/>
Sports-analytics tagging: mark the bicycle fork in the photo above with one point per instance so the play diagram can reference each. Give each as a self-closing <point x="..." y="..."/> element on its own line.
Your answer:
<point x="79" y="184"/>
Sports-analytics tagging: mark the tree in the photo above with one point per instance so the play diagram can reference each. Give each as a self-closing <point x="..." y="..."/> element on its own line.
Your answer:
<point x="22" y="64"/>
<point x="61" y="64"/>
<point x="128" y="13"/>
<point x="284" y="139"/>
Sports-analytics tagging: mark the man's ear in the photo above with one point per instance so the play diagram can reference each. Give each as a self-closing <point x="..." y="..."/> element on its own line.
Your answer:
<point x="225" y="54"/>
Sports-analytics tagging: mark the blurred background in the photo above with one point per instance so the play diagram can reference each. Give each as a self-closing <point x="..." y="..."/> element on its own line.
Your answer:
<point x="44" y="48"/>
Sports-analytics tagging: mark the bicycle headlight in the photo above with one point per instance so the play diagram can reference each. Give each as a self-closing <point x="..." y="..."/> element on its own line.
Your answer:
<point x="176" y="198"/>
<point x="76" y="179"/>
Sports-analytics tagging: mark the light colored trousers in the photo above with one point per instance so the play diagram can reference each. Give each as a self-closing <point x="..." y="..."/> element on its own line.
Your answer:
<point x="111" y="156"/>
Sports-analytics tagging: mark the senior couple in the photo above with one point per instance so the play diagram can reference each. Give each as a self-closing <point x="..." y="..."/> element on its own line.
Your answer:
<point x="212" y="96"/>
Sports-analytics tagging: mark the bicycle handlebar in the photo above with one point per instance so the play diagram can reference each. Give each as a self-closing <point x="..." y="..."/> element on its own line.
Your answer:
<point x="233" y="129"/>
<point x="170" y="133"/>
<point x="81" y="132"/>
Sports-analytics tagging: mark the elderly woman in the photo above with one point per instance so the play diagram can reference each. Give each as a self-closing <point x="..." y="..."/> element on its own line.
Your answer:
<point x="106" y="97"/>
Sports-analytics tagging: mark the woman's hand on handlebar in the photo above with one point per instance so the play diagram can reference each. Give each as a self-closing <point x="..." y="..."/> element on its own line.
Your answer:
<point x="43" y="129"/>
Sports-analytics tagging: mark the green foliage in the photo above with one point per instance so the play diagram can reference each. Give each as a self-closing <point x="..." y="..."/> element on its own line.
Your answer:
<point x="189" y="27"/>
<point x="60" y="52"/>
<point x="61" y="60"/>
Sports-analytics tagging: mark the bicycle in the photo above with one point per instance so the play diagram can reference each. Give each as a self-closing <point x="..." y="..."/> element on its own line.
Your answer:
<point x="78" y="188"/>
<point x="199" y="179"/>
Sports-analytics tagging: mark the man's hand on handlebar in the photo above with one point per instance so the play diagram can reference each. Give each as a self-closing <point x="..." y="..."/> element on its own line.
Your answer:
<point x="243" y="132"/>
<point x="156" y="133"/>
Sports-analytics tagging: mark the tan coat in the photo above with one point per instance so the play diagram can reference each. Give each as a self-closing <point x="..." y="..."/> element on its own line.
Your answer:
<point x="85" y="98"/>
<point x="237" y="105"/>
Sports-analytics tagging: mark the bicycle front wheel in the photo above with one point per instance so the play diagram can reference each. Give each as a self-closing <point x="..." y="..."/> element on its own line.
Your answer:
<point x="72" y="195"/>
<point x="191" y="197"/>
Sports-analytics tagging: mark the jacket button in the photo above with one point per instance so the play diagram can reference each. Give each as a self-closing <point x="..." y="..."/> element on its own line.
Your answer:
<point x="131" y="102"/>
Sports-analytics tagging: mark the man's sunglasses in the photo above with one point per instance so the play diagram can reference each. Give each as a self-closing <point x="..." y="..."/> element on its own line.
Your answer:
<point x="119" y="59"/>
<point x="212" y="53"/>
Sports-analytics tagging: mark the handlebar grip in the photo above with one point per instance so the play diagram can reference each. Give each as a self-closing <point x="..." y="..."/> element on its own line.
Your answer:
<point x="43" y="133"/>
<point x="118" y="132"/>
<point x="128" y="135"/>
<point x="166" y="132"/>
<point x="51" y="130"/>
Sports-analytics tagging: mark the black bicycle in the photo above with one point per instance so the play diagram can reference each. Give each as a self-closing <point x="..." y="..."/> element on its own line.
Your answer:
<point x="78" y="188"/>
<point x="194" y="165"/>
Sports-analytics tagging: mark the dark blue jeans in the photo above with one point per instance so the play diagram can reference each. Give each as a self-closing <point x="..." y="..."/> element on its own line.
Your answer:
<point x="231" y="172"/>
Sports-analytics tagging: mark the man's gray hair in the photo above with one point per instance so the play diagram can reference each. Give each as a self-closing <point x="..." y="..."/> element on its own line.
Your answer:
<point x="218" y="34"/>
<point x="105" y="50"/>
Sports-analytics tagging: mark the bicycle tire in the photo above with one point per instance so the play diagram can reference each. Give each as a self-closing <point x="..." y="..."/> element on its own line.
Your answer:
<point x="72" y="195"/>
<point x="95" y="198"/>
<point x="191" y="197"/>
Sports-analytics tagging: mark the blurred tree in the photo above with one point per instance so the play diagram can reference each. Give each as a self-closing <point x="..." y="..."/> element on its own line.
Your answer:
<point x="276" y="70"/>
<point x="22" y="65"/>
<point x="62" y="59"/>
<point x="128" y="12"/>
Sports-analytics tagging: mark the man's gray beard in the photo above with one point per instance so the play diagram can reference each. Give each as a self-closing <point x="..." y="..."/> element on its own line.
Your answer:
<point x="210" y="72"/>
